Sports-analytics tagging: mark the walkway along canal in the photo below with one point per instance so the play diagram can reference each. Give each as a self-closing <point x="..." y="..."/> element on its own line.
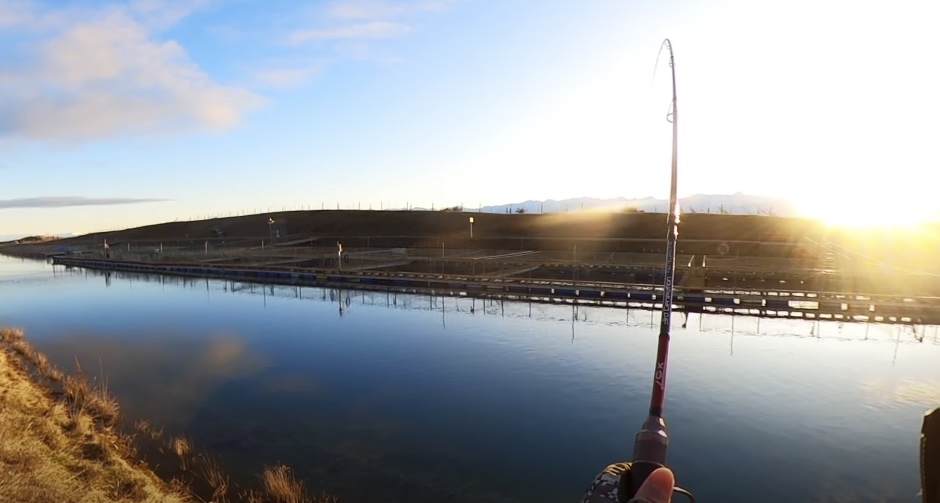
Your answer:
<point x="778" y="302"/>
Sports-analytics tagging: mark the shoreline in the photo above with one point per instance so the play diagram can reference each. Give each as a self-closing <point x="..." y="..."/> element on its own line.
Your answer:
<point x="60" y="441"/>
<point x="58" y="446"/>
<point x="764" y="300"/>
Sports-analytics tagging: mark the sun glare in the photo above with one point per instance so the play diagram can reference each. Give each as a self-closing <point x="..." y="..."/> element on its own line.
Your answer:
<point x="894" y="213"/>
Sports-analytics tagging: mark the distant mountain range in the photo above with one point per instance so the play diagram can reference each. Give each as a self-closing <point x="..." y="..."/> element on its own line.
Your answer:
<point x="739" y="203"/>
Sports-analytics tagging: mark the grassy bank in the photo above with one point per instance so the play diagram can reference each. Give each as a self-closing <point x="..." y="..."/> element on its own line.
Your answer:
<point x="59" y="442"/>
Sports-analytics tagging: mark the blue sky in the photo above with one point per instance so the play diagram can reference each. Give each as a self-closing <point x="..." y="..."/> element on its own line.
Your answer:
<point x="214" y="107"/>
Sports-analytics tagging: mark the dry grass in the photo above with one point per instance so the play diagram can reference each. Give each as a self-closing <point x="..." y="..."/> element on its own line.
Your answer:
<point x="94" y="399"/>
<point x="68" y="450"/>
<point x="180" y="446"/>
<point x="143" y="426"/>
<point x="281" y="487"/>
<point x="14" y="339"/>
<point x="50" y="452"/>
<point x="213" y="475"/>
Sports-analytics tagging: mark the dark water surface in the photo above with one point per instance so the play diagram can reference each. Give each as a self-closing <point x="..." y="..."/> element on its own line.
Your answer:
<point x="385" y="397"/>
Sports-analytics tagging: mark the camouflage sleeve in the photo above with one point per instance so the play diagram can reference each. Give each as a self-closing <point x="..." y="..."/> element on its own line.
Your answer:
<point x="606" y="485"/>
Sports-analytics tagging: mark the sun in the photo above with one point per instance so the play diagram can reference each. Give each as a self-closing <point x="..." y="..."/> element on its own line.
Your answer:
<point x="859" y="213"/>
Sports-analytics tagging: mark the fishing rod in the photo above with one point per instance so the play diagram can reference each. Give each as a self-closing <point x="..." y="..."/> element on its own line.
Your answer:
<point x="930" y="457"/>
<point x="652" y="442"/>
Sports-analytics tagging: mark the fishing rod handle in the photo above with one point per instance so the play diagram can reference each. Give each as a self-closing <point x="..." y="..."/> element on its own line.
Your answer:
<point x="606" y="487"/>
<point x="930" y="457"/>
<point x="636" y="476"/>
<point x="639" y="472"/>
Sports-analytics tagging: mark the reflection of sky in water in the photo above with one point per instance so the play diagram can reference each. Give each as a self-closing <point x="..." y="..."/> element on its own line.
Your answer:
<point x="422" y="395"/>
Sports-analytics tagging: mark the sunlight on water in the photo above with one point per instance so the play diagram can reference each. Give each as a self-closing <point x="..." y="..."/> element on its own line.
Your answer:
<point x="461" y="399"/>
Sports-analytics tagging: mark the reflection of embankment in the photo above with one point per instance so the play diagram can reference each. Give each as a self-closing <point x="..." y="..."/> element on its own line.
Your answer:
<point x="349" y="300"/>
<point x="178" y="381"/>
<point x="164" y="378"/>
<point x="61" y="446"/>
<point x="765" y="302"/>
<point x="64" y="446"/>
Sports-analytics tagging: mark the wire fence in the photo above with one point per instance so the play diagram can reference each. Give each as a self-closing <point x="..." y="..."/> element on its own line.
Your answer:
<point x="480" y="208"/>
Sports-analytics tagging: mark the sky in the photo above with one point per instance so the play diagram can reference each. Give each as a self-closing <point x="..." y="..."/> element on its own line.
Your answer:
<point x="117" y="114"/>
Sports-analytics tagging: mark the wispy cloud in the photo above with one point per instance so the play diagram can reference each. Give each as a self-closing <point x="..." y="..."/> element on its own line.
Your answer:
<point x="162" y="14"/>
<point x="286" y="76"/>
<point x="67" y="201"/>
<point x="369" y="30"/>
<point x="105" y="73"/>
<point x="15" y="12"/>
<point x="364" y="20"/>
<point x="225" y="33"/>
<point x="376" y="9"/>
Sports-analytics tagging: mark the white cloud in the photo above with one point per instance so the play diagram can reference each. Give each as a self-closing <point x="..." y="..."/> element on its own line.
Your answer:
<point x="27" y="16"/>
<point x="378" y="9"/>
<point x="225" y="33"/>
<point x="368" y="30"/>
<point x="106" y="75"/>
<point x="361" y="50"/>
<point x="69" y="201"/>
<point x="349" y="30"/>
<point x="15" y="12"/>
<point x="285" y="76"/>
<point x="362" y="10"/>
<point x="164" y="13"/>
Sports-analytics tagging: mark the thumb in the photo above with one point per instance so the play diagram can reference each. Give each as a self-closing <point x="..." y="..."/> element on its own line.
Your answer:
<point x="657" y="488"/>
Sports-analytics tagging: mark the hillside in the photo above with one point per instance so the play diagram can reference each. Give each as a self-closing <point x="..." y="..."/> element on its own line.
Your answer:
<point x="587" y="225"/>
<point x="744" y="235"/>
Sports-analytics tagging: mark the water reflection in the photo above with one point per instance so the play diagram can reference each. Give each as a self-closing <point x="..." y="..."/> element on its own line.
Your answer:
<point x="162" y="376"/>
<point x="881" y="393"/>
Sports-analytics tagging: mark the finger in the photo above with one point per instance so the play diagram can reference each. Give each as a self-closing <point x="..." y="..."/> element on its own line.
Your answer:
<point x="658" y="487"/>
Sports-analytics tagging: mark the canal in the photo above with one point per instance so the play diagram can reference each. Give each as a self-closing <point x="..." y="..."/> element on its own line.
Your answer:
<point x="378" y="396"/>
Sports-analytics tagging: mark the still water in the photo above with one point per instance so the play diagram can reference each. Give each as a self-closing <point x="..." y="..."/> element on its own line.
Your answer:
<point x="384" y="397"/>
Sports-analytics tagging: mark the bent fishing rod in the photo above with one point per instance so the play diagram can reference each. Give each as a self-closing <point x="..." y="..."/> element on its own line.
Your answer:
<point x="652" y="442"/>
